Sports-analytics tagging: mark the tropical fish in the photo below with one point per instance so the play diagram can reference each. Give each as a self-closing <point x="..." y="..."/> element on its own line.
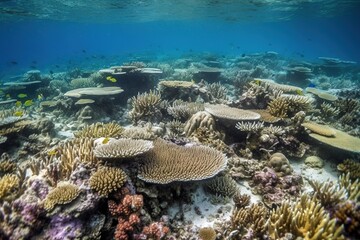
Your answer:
<point x="7" y="96"/>
<point x="18" y="104"/>
<point x="257" y="81"/>
<point x="19" y="113"/>
<point x="22" y="95"/>
<point x="40" y="97"/>
<point x="106" y="140"/>
<point x="312" y="85"/>
<point x="111" y="79"/>
<point x="52" y="152"/>
<point x="28" y="103"/>
<point x="299" y="92"/>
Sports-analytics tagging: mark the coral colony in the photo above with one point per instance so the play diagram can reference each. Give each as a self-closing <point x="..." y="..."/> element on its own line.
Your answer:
<point x="182" y="150"/>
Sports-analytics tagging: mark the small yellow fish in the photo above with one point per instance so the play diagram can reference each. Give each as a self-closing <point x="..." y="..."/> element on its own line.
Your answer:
<point x="18" y="104"/>
<point x="18" y="113"/>
<point x="106" y="140"/>
<point x="28" y="103"/>
<point x="22" y="95"/>
<point x="40" y="97"/>
<point x="299" y="92"/>
<point x="52" y="152"/>
<point x="257" y="81"/>
<point x="111" y="79"/>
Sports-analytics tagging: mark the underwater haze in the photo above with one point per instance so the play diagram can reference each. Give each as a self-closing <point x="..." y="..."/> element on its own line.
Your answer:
<point x="179" y="120"/>
<point x="52" y="33"/>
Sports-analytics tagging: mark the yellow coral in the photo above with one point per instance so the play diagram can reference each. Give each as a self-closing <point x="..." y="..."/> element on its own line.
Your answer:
<point x="321" y="129"/>
<point x="64" y="193"/>
<point x="7" y="166"/>
<point x="107" y="179"/>
<point x="306" y="219"/>
<point x="8" y="183"/>
<point x="207" y="233"/>
<point x="98" y="130"/>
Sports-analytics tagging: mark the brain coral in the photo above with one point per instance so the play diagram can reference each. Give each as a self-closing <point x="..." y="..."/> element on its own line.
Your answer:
<point x="122" y="148"/>
<point x="229" y="113"/>
<point x="64" y="193"/>
<point x="107" y="179"/>
<point x="168" y="162"/>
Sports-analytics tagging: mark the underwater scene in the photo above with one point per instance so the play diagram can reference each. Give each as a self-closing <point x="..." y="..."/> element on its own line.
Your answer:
<point x="179" y="120"/>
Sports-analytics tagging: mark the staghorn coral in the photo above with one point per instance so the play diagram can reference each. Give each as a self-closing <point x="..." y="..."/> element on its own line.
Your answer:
<point x="64" y="193"/>
<point x="306" y="219"/>
<point x="98" y="130"/>
<point x="168" y="162"/>
<point x="288" y="105"/>
<point x="223" y="186"/>
<point x="328" y="111"/>
<point x="199" y="119"/>
<point x="352" y="187"/>
<point x="82" y="83"/>
<point x="348" y="214"/>
<point x="184" y="110"/>
<point x="279" y="107"/>
<point x="241" y="200"/>
<point x="328" y="193"/>
<point x="250" y="221"/>
<point x="107" y="179"/>
<point x="347" y="105"/>
<point x="7" y="166"/>
<point x="207" y="233"/>
<point x="8" y="184"/>
<point x="351" y="167"/>
<point x="250" y="126"/>
<point x="229" y="113"/>
<point x="265" y="116"/>
<point x="175" y="127"/>
<point x="121" y="148"/>
<point x="145" y="106"/>
<point x="321" y="129"/>
<point x="217" y="91"/>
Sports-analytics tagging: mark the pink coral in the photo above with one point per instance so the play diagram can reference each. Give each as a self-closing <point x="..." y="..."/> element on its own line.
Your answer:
<point x="156" y="230"/>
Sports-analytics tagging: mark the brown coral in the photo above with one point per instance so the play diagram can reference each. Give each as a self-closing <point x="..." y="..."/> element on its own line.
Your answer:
<point x="223" y="186"/>
<point x="145" y="106"/>
<point x="64" y="193"/>
<point x="199" y="119"/>
<point x="122" y="148"/>
<point x="7" y="166"/>
<point x="107" y="179"/>
<point x="207" y="233"/>
<point x="98" y="130"/>
<point x="168" y="162"/>
<point x="351" y="167"/>
<point x="280" y="164"/>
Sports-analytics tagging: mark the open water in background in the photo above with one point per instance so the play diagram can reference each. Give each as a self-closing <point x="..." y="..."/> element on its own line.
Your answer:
<point x="58" y="35"/>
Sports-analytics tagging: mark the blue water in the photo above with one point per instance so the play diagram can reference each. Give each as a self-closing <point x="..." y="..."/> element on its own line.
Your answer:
<point x="50" y="44"/>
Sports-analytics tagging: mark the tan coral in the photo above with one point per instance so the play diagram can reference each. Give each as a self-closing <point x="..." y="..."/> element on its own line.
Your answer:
<point x="279" y="107"/>
<point x="280" y="164"/>
<point x="222" y="185"/>
<point x="7" y="166"/>
<point x="168" y="162"/>
<point x="304" y="219"/>
<point x="273" y="85"/>
<point x="145" y="106"/>
<point x="350" y="166"/>
<point x="207" y="233"/>
<point x="64" y="193"/>
<point x="199" y="119"/>
<point x="8" y="184"/>
<point x="176" y="84"/>
<point x="93" y="91"/>
<point x="230" y="113"/>
<point x="265" y="116"/>
<point x="321" y="129"/>
<point x="184" y="110"/>
<point x="107" y="179"/>
<point x="122" y="148"/>
<point x="341" y="140"/>
<point x="98" y="130"/>
<point x="322" y="94"/>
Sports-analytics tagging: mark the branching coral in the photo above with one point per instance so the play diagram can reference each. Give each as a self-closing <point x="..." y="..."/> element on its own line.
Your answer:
<point x="328" y="111"/>
<point x="7" y="166"/>
<point x="223" y="186"/>
<point x="288" y="105"/>
<point x="8" y="184"/>
<point x="64" y="193"/>
<point x="306" y="219"/>
<point x="168" y="162"/>
<point x="182" y="111"/>
<point x="122" y="148"/>
<point x="250" y="221"/>
<point x="98" y="130"/>
<point x="241" y="200"/>
<point x="351" y="167"/>
<point x="250" y="126"/>
<point x="107" y="179"/>
<point x="218" y="92"/>
<point x="348" y="214"/>
<point x="328" y="193"/>
<point x="145" y="106"/>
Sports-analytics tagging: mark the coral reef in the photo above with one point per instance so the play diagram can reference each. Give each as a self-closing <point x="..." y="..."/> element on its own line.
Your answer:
<point x="351" y="167"/>
<point x="280" y="164"/>
<point x="8" y="185"/>
<point x="229" y="113"/>
<point x="98" y="130"/>
<point x="64" y="193"/>
<point x="107" y="179"/>
<point x="207" y="233"/>
<point x="121" y="148"/>
<point x="167" y="163"/>
<point x="223" y="186"/>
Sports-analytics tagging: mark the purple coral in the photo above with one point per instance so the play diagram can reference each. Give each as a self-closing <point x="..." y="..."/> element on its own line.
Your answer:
<point x="63" y="227"/>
